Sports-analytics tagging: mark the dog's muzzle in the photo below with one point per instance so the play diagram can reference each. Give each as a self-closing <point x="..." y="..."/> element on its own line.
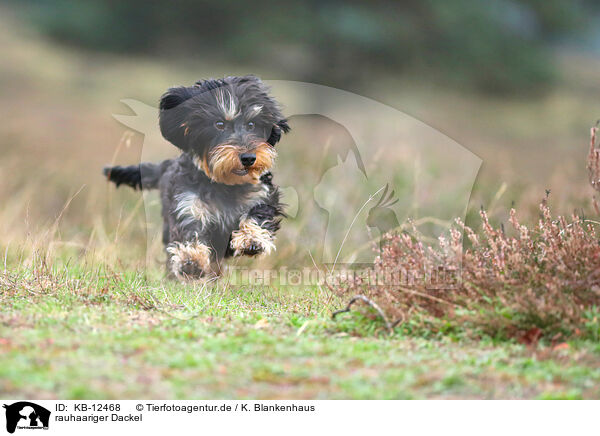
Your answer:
<point x="247" y="160"/>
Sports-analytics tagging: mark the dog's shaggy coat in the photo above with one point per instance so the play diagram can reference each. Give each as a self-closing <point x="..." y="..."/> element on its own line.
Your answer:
<point x="218" y="198"/>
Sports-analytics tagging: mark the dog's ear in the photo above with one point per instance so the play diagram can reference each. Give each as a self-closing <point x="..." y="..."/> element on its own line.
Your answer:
<point x="278" y="128"/>
<point x="174" y="97"/>
<point x="172" y="115"/>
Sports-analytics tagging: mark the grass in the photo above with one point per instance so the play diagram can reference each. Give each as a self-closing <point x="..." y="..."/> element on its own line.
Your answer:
<point x="105" y="335"/>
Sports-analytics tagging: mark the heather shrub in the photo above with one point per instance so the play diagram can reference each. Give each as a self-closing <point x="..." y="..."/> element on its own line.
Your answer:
<point x="510" y="281"/>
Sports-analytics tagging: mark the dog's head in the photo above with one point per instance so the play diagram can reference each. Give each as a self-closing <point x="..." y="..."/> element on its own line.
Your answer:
<point x="230" y="126"/>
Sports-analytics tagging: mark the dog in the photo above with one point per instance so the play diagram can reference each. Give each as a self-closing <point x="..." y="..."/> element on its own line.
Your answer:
<point x="218" y="197"/>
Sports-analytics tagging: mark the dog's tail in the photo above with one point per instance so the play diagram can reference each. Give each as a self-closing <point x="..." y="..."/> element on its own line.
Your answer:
<point x="142" y="176"/>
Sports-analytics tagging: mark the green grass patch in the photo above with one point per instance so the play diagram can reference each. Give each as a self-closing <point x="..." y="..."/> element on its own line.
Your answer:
<point x="80" y="334"/>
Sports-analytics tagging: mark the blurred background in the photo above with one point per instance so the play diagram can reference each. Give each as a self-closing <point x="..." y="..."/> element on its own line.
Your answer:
<point x="515" y="82"/>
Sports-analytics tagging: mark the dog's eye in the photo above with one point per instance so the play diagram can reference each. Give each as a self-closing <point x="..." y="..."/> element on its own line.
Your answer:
<point x="220" y="125"/>
<point x="250" y="125"/>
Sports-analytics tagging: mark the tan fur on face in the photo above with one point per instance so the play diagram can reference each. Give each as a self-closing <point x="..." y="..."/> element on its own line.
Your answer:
<point x="202" y="164"/>
<point x="250" y="233"/>
<point x="224" y="159"/>
<point x="181" y="253"/>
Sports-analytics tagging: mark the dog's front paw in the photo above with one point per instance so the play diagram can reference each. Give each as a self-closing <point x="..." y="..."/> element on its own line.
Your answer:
<point x="251" y="239"/>
<point x="189" y="260"/>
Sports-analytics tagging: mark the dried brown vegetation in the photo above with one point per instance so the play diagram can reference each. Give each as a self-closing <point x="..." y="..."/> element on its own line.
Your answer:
<point x="544" y="276"/>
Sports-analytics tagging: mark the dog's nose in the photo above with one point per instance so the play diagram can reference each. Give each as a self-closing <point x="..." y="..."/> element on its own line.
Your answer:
<point x="248" y="159"/>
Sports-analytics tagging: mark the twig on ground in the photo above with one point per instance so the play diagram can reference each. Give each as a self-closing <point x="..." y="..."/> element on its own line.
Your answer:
<point x="371" y="303"/>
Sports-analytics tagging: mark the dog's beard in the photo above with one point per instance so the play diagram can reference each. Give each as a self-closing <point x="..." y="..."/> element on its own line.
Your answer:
<point x="222" y="164"/>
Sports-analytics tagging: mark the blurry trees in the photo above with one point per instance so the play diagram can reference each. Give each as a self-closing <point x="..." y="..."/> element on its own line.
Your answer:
<point x="494" y="45"/>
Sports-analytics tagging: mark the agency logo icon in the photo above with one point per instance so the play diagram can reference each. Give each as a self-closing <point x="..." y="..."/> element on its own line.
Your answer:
<point x="26" y="415"/>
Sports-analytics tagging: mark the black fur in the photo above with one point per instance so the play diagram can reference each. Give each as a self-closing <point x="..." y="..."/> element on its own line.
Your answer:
<point x="275" y="136"/>
<point x="142" y="176"/>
